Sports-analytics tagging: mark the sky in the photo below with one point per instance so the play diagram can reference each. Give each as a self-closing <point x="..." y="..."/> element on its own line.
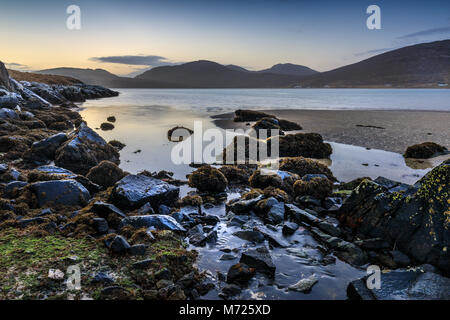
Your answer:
<point x="128" y="37"/>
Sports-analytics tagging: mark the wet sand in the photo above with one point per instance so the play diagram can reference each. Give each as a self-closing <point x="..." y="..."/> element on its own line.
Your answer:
<point x="392" y="130"/>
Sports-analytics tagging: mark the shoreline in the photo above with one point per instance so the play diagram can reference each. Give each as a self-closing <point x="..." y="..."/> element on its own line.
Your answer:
<point x="131" y="231"/>
<point x="397" y="129"/>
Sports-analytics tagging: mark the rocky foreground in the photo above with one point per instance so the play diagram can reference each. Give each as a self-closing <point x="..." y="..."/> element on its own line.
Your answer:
<point x="64" y="201"/>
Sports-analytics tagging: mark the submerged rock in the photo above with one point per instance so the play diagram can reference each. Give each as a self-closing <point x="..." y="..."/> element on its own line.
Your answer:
<point x="259" y="259"/>
<point x="401" y="284"/>
<point x="305" y="284"/>
<point x="106" y="126"/>
<point x="180" y="132"/>
<point x="64" y="192"/>
<point x="157" y="221"/>
<point x="134" y="191"/>
<point x="240" y="273"/>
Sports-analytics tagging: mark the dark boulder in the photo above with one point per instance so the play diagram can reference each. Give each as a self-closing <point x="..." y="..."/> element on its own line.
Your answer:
<point x="12" y="189"/>
<point x="415" y="219"/>
<point x="289" y="228"/>
<point x="309" y="145"/>
<point x="240" y="273"/>
<point x="109" y="212"/>
<point x="159" y="222"/>
<point x="106" y="126"/>
<point x="306" y="167"/>
<point x="85" y="150"/>
<point x="208" y="179"/>
<point x="105" y="174"/>
<point x="46" y="149"/>
<point x="178" y="133"/>
<point x="243" y="206"/>
<point x="4" y="77"/>
<point x="101" y="225"/>
<point x="236" y="174"/>
<point x="134" y="191"/>
<point x="401" y="284"/>
<point x="63" y="192"/>
<point x="250" y="235"/>
<point x="319" y="188"/>
<point x="424" y="150"/>
<point x="250" y="115"/>
<point x="260" y="259"/>
<point x="119" y="245"/>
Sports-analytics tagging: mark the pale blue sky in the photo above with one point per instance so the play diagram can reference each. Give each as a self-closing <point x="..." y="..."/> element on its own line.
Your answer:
<point x="254" y="34"/>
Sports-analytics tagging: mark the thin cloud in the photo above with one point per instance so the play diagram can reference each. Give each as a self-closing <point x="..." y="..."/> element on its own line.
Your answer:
<point x="428" y="32"/>
<point x="14" y="65"/>
<point x="374" y="51"/>
<point x="138" y="60"/>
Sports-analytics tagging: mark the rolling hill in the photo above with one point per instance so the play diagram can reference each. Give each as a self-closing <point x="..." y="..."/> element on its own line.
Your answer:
<point x="208" y="74"/>
<point x="421" y="65"/>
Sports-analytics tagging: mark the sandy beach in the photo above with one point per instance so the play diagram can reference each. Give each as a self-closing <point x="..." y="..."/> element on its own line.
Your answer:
<point x="390" y="130"/>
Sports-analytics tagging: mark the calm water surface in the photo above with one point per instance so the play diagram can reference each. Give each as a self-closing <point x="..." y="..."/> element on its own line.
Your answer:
<point x="145" y="115"/>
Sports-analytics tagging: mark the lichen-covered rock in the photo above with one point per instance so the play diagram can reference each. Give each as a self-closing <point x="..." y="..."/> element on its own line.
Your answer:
<point x="84" y="150"/>
<point x="208" y="179"/>
<point x="105" y="174"/>
<point x="424" y="150"/>
<point x="308" y="145"/>
<point x="416" y="218"/>
<point x="134" y="191"/>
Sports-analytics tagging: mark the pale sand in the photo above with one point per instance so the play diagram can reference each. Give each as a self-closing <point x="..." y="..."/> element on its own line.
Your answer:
<point x="401" y="128"/>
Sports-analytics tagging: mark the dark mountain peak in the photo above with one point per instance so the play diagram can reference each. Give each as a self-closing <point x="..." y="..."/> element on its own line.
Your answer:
<point x="236" y="68"/>
<point x="290" y="69"/>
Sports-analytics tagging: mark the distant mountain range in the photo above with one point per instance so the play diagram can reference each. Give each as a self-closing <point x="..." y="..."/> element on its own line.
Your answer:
<point x="421" y="65"/>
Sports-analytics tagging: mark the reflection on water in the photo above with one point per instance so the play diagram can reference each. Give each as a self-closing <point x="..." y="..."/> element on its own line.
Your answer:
<point x="145" y="129"/>
<point x="350" y="162"/>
